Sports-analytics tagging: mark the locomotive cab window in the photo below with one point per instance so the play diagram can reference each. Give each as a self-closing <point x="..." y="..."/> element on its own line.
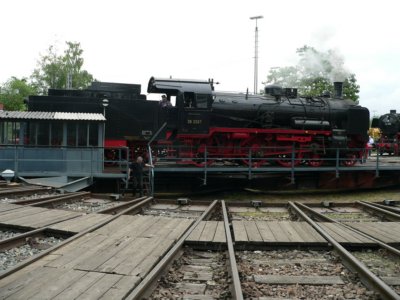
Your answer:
<point x="202" y="101"/>
<point x="192" y="100"/>
<point x="189" y="100"/>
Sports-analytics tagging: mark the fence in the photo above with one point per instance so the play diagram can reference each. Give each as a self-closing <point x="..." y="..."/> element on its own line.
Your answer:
<point x="288" y="159"/>
<point x="90" y="161"/>
<point x="56" y="161"/>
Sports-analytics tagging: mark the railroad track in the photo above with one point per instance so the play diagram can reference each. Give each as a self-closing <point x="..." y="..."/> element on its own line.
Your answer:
<point x="270" y="213"/>
<point x="383" y="264"/>
<point x="367" y="277"/>
<point x="21" y="246"/>
<point x="134" y="254"/>
<point x="74" y="201"/>
<point x="359" y="211"/>
<point x="298" y="274"/>
<point x="194" y="274"/>
<point x="53" y="200"/>
<point x="175" y="209"/>
<point x="11" y="195"/>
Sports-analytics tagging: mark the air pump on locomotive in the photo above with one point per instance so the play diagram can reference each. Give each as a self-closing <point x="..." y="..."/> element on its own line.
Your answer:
<point x="277" y="127"/>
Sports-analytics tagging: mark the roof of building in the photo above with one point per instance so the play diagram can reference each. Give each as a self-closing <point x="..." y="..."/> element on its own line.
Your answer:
<point x="45" y="115"/>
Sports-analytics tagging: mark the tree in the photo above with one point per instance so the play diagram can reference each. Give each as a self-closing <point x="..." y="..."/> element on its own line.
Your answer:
<point x="14" y="91"/>
<point x="61" y="71"/>
<point x="315" y="73"/>
<point x="73" y="62"/>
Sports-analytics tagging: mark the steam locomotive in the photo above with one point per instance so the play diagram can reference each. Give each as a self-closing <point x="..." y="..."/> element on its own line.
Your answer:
<point x="251" y="129"/>
<point x="389" y="125"/>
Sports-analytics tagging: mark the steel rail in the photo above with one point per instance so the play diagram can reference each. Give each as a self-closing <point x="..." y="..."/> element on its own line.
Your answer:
<point x="119" y="207"/>
<point x="392" y="209"/>
<point x="67" y="241"/>
<point x="387" y="214"/>
<point x="24" y="191"/>
<point x="325" y="218"/>
<point x="54" y="197"/>
<point x="153" y="275"/>
<point x="67" y="198"/>
<point x="366" y="276"/>
<point x="237" y="287"/>
<point x="20" y="239"/>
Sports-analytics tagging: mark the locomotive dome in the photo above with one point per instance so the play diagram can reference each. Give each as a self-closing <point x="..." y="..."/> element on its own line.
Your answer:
<point x="273" y="90"/>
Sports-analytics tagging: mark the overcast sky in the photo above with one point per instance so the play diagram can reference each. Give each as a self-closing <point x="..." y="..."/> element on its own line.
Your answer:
<point x="130" y="41"/>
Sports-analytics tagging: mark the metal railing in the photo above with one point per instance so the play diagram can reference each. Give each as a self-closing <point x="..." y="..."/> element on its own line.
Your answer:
<point x="268" y="159"/>
<point x="150" y="154"/>
<point x="58" y="161"/>
<point x="91" y="161"/>
<point x="256" y="160"/>
<point x="249" y="155"/>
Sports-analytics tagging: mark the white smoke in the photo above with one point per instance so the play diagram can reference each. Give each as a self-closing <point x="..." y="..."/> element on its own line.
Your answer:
<point x="329" y="64"/>
<point x="339" y="72"/>
<point x="326" y="59"/>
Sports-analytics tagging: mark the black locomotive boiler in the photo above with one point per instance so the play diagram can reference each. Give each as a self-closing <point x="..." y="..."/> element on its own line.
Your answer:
<point x="273" y="127"/>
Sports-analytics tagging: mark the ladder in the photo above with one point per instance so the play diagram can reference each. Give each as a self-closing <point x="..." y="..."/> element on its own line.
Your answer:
<point x="127" y="187"/>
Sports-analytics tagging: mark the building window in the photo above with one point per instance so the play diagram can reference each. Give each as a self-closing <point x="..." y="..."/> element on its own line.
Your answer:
<point x="71" y="134"/>
<point x="43" y="134"/>
<point x="56" y="134"/>
<point x="93" y="134"/>
<point x="9" y="133"/>
<point x="30" y="137"/>
<point x="82" y="134"/>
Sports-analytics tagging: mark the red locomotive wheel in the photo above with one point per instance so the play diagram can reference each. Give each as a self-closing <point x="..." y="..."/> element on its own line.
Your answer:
<point x="350" y="160"/>
<point x="202" y="164"/>
<point x="285" y="160"/>
<point x="255" y="164"/>
<point x="258" y="155"/>
<point x="315" y="160"/>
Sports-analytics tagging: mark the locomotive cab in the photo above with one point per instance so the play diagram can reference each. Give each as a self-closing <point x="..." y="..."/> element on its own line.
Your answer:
<point x="193" y="102"/>
<point x="194" y="112"/>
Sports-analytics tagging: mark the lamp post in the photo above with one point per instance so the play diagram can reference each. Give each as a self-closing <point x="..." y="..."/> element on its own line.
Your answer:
<point x="105" y="104"/>
<point x="256" y="52"/>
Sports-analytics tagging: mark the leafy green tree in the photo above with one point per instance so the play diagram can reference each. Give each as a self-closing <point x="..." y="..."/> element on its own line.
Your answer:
<point x="56" y="71"/>
<point x="315" y="73"/>
<point x="74" y="62"/>
<point x="49" y="73"/>
<point x="14" y="91"/>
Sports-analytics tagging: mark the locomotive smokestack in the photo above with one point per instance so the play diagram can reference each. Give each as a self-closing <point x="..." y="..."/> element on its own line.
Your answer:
<point x="392" y="111"/>
<point x="338" y="87"/>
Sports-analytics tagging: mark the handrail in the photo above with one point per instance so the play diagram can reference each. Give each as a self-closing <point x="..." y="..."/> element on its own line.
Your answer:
<point x="151" y="172"/>
<point x="244" y="158"/>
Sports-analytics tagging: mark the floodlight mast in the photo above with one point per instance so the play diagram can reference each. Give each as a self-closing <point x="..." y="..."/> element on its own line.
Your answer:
<point x="256" y="53"/>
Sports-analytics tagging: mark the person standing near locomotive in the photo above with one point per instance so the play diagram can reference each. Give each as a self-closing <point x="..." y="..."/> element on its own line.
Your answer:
<point x="370" y="145"/>
<point x="136" y="175"/>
